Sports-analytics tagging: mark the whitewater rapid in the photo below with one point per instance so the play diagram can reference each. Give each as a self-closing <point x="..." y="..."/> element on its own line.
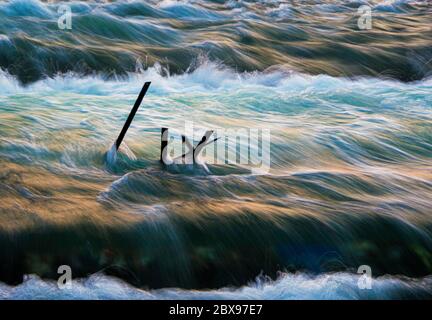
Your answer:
<point x="288" y="286"/>
<point x="314" y="37"/>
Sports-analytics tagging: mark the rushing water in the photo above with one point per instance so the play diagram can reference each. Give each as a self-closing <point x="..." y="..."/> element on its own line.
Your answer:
<point x="312" y="36"/>
<point x="350" y="181"/>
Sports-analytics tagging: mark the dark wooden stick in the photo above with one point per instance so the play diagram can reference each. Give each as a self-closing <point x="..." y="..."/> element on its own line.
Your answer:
<point x="132" y="114"/>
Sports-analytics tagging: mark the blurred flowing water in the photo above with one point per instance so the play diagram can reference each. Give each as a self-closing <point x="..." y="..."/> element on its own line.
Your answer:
<point x="350" y="183"/>
<point x="315" y="37"/>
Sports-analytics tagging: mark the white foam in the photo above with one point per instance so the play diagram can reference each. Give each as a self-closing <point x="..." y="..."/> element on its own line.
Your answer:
<point x="208" y="77"/>
<point x="8" y="84"/>
<point x="288" y="286"/>
<point x="111" y="156"/>
<point x="5" y="39"/>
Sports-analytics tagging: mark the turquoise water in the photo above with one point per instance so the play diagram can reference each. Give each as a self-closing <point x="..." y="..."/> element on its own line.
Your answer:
<point x="314" y="37"/>
<point x="350" y="181"/>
